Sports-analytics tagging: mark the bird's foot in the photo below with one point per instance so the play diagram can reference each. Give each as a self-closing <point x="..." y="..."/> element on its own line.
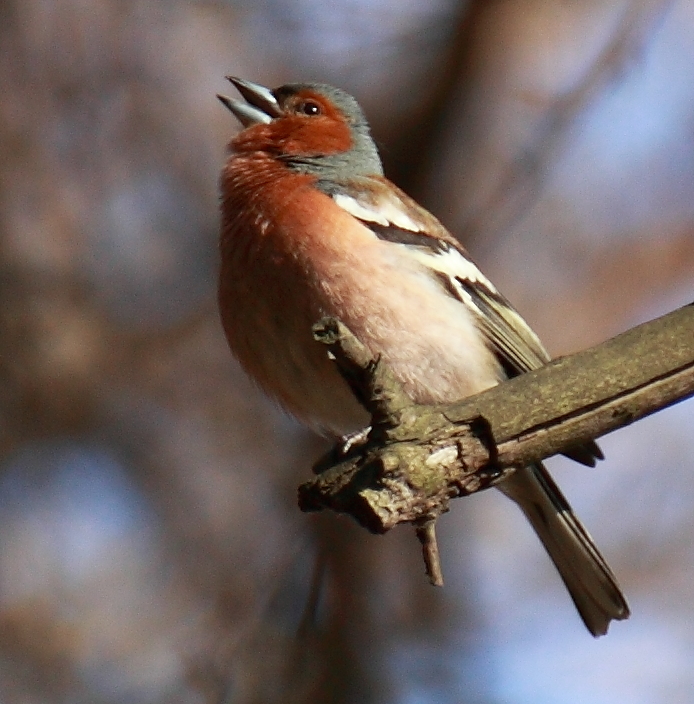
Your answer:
<point x="351" y="441"/>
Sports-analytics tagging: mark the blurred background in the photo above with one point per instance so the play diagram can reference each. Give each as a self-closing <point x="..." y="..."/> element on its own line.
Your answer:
<point x="151" y="550"/>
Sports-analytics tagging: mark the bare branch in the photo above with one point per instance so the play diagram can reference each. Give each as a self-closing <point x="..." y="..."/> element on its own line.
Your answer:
<point x="417" y="458"/>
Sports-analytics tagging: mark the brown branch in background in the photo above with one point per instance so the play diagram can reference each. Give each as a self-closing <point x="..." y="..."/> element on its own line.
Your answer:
<point x="520" y="183"/>
<point x="404" y="165"/>
<point x="417" y="458"/>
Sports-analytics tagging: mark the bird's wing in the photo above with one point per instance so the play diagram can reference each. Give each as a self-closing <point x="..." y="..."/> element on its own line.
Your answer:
<point x="395" y="217"/>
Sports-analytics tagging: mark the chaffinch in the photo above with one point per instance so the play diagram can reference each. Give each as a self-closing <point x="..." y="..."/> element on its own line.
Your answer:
<point x="311" y="227"/>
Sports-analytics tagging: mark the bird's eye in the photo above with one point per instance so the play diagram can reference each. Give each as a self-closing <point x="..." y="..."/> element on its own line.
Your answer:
<point x="310" y="107"/>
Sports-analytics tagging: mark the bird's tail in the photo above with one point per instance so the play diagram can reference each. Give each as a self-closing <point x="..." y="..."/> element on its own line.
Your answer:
<point x="583" y="569"/>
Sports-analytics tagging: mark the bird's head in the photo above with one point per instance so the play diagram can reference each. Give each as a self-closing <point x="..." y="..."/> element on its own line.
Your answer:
<point x="312" y="127"/>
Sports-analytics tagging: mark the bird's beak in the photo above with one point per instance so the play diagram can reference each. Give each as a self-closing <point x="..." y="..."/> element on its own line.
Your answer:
<point x="260" y="107"/>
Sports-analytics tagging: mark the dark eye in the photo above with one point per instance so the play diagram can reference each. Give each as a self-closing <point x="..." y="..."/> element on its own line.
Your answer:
<point x="310" y="107"/>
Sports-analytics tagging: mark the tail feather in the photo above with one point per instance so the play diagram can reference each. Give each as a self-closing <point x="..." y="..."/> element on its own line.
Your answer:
<point x="583" y="569"/>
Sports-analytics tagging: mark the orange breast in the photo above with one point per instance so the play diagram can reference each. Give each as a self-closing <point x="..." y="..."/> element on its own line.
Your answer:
<point x="278" y="237"/>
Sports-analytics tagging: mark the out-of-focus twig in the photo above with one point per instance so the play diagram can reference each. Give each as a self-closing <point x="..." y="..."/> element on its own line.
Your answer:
<point x="521" y="180"/>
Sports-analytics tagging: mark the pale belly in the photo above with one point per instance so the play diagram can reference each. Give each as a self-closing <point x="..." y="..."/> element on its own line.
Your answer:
<point x="427" y="337"/>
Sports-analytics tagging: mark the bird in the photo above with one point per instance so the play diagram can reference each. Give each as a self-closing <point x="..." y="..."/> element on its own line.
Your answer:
<point x="311" y="227"/>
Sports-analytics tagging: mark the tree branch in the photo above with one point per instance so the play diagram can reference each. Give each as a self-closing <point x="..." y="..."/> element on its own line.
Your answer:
<point x="417" y="458"/>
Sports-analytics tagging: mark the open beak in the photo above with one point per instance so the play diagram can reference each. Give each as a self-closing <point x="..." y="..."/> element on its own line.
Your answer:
<point x="260" y="107"/>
